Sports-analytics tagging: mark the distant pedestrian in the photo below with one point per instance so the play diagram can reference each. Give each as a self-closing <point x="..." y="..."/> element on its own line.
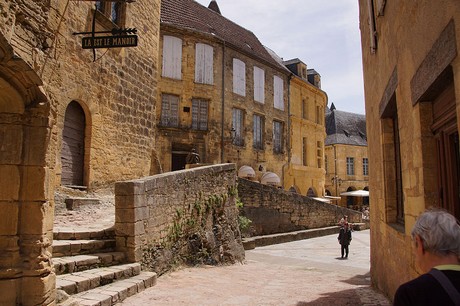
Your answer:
<point x="344" y="239"/>
<point x="436" y="245"/>
<point x="343" y="220"/>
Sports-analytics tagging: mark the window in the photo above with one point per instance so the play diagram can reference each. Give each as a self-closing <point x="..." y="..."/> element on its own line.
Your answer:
<point x="319" y="153"/>
<point x="199" y="114"/>
<point x="325" y="164"/>
<point x="238" y="125"/>
<point x="304" y="109"/>
<point x="259" y="85"/>
<point x="304" y="151"/>
<point x="204" y="61"/>
<point x="278" y="92"/>
<point x="114" y="11"/>
<point x="365" y="166"/>
<point x="169" y="110"/>
<point x="319" y="114"/>
<point x="372" y="27"/>
<point x="392" y="163"/>
<point x="239" y="77"/>
<point x="277" y="137"/>
<point x="350" y="166"/>
<point x="258" y="132"/>
<point x="172" y="57"/>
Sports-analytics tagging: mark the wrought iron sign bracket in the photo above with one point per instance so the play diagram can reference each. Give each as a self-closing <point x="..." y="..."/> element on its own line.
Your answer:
<point x="121" y="37"/>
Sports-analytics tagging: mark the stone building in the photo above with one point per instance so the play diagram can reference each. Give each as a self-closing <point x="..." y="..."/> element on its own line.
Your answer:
<point x="346" y="157"/>
<point x="68" y="117"/>
<point x="305" y="171"/>
<point x="412" y="84"/>
<point x="221" y="92"/>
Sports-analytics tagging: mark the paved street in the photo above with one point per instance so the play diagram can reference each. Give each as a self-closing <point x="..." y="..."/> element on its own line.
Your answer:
<point x="306" y="272"/>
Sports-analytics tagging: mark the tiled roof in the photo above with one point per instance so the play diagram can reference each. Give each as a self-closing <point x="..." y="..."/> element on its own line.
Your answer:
<point x="345" y="128"/>
<point x="190" y="15"/>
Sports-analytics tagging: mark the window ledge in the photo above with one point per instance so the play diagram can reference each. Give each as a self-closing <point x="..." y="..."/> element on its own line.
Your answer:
<point x="398" y="227"/>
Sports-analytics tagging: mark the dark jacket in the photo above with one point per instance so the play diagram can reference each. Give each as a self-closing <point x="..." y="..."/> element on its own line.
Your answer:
<point x="344" y="236"/>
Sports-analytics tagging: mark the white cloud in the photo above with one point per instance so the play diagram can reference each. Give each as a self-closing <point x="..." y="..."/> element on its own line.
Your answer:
<point x="323" y="34"/>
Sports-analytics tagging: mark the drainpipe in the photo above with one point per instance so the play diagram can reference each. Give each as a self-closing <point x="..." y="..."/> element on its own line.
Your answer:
<point x="288" y="131"/>
<point x="222" y="146"/>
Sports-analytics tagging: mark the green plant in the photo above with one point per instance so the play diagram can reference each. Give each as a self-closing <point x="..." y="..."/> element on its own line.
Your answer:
<point x="244" y="223"/>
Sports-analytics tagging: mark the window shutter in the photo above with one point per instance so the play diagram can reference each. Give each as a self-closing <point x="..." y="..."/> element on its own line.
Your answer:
<point x="278" y="92"/>
<point x="204" y="61"/>
<point x="259" y="85"/>
<point x="172" y="57"/>
<point x="239" y="77"/>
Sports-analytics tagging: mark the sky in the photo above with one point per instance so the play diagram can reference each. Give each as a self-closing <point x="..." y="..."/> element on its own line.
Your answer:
<point x="323" y="34"/>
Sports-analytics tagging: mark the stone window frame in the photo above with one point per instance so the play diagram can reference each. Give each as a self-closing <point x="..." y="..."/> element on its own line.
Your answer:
<point x="278" y="132"/>
<point x="170" y="104"/>
<point x="238" y="126"/>
<point x="391" y="154"/>
<point x="365" y="166"/>
<point x="106" y="12"/>
<point x="350" y="166"/>
<point x="200" y="111"/>
<point x="319" y="153"/>
<point x="258" y="131"/>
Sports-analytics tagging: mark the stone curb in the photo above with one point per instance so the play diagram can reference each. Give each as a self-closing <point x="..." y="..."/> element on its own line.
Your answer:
<point x="259" y="241"/>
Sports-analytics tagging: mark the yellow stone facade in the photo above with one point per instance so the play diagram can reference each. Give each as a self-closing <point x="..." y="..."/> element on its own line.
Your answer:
<point x="336" y="158"/>
<point x="215" y="144"/>
<point x="43" y="70"/>
<point x="412" y="88"/>
<point x="305" y="171"/>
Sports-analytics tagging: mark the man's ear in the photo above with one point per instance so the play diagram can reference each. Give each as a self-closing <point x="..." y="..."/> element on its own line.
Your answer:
<point x="419" y="244"/>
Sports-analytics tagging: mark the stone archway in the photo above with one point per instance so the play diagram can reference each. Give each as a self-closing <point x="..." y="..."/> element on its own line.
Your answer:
<point x="25" y="201"/>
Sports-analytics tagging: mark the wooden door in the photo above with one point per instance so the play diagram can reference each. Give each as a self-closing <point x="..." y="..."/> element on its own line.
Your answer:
<point x="73" y="146"/>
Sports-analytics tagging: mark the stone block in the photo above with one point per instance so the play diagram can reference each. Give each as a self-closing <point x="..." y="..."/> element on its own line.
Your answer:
<point x="40" y="290"/>
<point x="10" y="144"/>
<point x="9" y="223"/>
<point x="9" y="291"/>
<point x="129" y="188"/>
<point x="75" y="203"/>
<point x="34" y="151"/>
<point x="37" y="183"/>
<point x="35" y="217"/>
<point x="9" y="183"/>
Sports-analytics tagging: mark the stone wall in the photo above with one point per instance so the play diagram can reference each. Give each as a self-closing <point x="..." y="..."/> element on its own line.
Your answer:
<point x="274" y="210"/>
<point x="187" y="216"/>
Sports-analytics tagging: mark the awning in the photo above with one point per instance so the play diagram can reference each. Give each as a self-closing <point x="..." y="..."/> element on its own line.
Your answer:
<point x="322" y="200"/>
<point x="356" y="193"/>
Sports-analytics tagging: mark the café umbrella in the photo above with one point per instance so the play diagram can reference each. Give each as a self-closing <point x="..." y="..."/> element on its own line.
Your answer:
<point x="356" y="193"/>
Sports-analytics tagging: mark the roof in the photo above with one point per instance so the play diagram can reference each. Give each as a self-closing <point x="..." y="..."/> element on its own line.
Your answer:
<point x="190" y="15"/>
<point x="345" y="128"/>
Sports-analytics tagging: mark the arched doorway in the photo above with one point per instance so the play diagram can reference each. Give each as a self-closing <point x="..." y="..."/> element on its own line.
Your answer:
<point x="350" y="200"/>
<point x="311" y="192"/>
<point x="73" y="146"/>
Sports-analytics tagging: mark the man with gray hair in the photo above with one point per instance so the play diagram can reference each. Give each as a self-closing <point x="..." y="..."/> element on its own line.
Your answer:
<point x="436" y="237"/>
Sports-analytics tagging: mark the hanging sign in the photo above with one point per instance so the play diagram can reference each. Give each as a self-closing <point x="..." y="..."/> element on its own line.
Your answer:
<point x="116" y="41"/>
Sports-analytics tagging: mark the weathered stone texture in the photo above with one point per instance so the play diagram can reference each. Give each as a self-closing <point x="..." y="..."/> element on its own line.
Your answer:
<point x="181" y="216"/>
<point x="212" y="146"/>
<point x="415" y="43"/>
<point x="273" y="210"/>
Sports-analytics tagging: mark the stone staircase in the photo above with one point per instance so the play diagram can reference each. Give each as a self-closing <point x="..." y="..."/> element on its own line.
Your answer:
<point x="90" y="270"/>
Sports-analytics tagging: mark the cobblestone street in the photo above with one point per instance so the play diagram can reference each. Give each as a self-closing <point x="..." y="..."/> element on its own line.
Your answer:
<point x="306" y="272"/>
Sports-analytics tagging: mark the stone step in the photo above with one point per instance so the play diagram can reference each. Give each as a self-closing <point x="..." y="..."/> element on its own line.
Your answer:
<point x="78" y="247"/>
<point x="74" y="203"/>
<point x="78" y="263"/>
<point x="116" y="292"/>
<point x="72" y="234"/>
<point x="78" y="282"/>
